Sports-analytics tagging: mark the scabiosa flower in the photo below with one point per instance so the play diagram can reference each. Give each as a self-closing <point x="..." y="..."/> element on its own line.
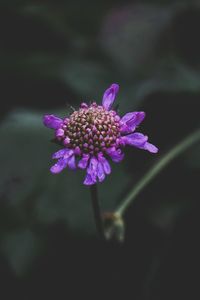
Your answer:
<point x="93" y="134"/>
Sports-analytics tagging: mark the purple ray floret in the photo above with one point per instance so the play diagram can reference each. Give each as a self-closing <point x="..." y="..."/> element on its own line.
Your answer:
<point x="109" y="96"/>
<point x="131" y="120"/>
<point x="52" y="121"/>
<point x="94" y="134"/>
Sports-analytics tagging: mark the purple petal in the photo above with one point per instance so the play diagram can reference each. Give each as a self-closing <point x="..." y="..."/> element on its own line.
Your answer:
<point x="135" y="139"/>
<point x="131" y="120"/>
<point x="52" y="121"/>
<point x="140" y="141"/>
<point x="59" y="166"/>
<point x="71" y="162"/>
<point x="105" y="164"/>
<point x="69" y="153"/>
<point x="92" y="169"/>
<point x="89" y="180"/>
<point x="135" y="117"/>
<point x="82" y="164"/>
<point x="60" y="153"/>
<point x="109" y="96"/>
<point x="100" y="172"/>
<point x="150" y="147"/>
<point x="115" y="154"/>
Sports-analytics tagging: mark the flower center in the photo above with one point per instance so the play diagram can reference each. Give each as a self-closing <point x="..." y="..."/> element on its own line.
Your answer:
<point x="93" y="129"/>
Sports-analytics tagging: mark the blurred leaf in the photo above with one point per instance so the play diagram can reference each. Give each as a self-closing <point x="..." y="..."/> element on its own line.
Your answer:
<point x="170" y="76"/>
<point x="86" y="76"/>
<point x="164" y="215"/>
<point x="40" y="64"/>
<point x="62" y="17"/>
<point x="130" y="33"/>
<point x="20" y="248"/>
<point x="51" y="14"/>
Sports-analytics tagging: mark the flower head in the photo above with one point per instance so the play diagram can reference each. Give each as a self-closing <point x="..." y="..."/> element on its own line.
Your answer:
<point x="93" y="134"/>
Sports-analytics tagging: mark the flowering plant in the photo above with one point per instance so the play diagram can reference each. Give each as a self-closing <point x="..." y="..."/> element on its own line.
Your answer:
<point x="95" y="133"/>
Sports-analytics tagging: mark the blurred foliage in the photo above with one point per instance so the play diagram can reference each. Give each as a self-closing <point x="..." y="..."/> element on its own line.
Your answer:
<point x="138" y="45"/>
<point x="56" y="54"/>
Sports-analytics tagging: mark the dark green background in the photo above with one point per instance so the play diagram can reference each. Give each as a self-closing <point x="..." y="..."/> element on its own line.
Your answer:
<point x="53" y="55"/>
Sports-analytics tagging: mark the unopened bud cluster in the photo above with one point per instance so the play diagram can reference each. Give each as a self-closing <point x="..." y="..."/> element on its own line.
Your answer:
<point x="92" y="128"/>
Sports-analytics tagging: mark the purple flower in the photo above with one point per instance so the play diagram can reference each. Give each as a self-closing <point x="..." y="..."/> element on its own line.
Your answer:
<point x="93" y="134"/>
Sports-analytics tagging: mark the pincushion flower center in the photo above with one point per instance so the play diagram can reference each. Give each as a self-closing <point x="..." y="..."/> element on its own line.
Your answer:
<point x="93" y="129"/>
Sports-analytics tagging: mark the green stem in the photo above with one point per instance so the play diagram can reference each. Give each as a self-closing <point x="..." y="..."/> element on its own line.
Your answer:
<point x="157" y="168"/>
<point x="97" y="211"/>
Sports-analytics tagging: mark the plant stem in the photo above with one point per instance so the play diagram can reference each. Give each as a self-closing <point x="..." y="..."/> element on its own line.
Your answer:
<point x="97" y="211"/>
<point x="157" y="168"/>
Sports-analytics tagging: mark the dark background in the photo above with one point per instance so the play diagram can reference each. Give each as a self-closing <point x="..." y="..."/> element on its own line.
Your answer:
<point x="53" y="55"/>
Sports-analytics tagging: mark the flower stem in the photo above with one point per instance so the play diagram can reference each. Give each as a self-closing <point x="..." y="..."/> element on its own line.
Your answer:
<point x="97" y="211"/>
<point x="157" y="168"/>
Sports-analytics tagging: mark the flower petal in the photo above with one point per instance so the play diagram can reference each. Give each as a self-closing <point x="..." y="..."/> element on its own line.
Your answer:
<point x="105" y="163"/>
<point x="82" y="164"/>
<point x="115" y="154"/>
<point x="71" y="163"/>
<point x="100" y="172"/>
<point x="135" y="139"/>
<point x="60" y="153"/>
<point x="131" y="120"/>
<point x="59" y="166"/>
<point x="69" y="153"/>
<point x="92" y="168"/>
<point x="52" y="121"/>
<point x="150" y="147"/>
<point x="140" y="141"/>
<point x="89" y="180"/>
<point x="109" y="96"/>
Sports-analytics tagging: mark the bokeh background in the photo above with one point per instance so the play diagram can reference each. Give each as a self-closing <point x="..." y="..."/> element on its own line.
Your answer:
<point x="53" y="55"/>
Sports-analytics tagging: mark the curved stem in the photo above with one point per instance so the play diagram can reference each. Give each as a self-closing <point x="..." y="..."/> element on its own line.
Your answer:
<point x="97" y="211"/>
<point x="157" y="168"/>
